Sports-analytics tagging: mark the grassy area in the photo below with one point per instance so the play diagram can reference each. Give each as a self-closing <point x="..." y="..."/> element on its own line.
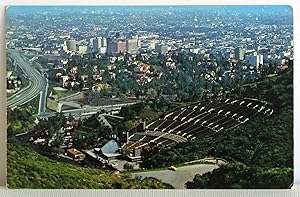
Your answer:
<point x="268" y="77"/>
<point x="62" y="94"/>
<point x="9" y="94"/>
<point x="19" y="121"/>
<point x="33" y="106"/>
<point x="51" y="104"/>
<point x="17" y="125"/>
<point x="149" y="114"/>
<point x="27" y="169"/>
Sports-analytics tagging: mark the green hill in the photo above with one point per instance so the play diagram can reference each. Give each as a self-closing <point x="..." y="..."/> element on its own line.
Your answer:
<point x="263" y="146"/>
<point x="27" y="169"/>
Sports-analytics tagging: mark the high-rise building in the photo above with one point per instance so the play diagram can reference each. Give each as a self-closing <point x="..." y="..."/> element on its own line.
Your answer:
<point x="103" y="42"/>
<point x="82" y="48"/>
<point x="103" y="50"/>
<point x="96" y="43"/>
<point x="116" y="46"/>
<point x="121" y="46"/>
<point x="100" y="44"/>
<point x="112" y="46"/>
<point x="255" y="60"/>
<point x="239" y="53"/>
<point x="163" y="49"/>
<point x="152" y="44"/>
<point x="71" y="45"/>
<point x="261" y="58"/>
<point x="131" y="45"/>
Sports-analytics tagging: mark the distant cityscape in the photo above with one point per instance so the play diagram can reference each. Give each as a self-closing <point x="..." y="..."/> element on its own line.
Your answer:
<point x="255" y="36"/>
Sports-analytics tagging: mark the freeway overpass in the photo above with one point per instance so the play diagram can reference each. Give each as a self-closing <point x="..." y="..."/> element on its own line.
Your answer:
<point x="38" y="84"/>
<point x="88" y="110"/>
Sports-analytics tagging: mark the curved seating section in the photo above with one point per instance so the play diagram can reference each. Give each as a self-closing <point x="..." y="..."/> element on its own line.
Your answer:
<point x="199" y="120"/>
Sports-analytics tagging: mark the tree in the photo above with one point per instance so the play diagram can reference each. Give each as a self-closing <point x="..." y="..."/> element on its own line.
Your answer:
<point x="128" y="166"/>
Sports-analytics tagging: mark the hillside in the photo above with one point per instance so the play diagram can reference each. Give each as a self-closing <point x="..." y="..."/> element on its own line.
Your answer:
<point x="260" y="152"/>
<point x="261" y="146"/>
<point x="27" y="169"/>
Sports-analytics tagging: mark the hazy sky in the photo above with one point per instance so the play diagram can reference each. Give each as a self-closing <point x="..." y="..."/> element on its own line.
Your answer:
<point x="245" y="8"/>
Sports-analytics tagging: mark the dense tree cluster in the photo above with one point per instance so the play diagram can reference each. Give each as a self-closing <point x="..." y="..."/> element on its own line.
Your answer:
<point x="93" y="132"/>
<point x="192" y="77"/>
<point x="20" y="120"/>
<point x="240" y="176"/>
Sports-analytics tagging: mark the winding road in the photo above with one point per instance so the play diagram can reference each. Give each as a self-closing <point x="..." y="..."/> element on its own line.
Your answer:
<point x="179" y="177"/>
<point x="38" y="84"/>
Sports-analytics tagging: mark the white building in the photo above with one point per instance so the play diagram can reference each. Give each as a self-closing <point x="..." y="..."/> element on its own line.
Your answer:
<point x="99" y="44"/>
<point x="132" y="45"/>
<point x="82" y="48"/>
<point x="255" y="60"/>
<point x="239" y="54"/>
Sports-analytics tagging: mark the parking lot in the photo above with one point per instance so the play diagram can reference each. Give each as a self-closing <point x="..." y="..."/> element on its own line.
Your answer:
<point x="179" y="177"/>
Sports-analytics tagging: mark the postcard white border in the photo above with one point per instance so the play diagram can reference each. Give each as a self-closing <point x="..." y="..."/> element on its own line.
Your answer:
<point x="296" y="11"/>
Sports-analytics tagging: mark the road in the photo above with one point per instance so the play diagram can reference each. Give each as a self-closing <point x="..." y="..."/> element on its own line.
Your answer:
<point x="38" y="84"/>
<point x="88" y="110"/>
<point x="178" y="178"/>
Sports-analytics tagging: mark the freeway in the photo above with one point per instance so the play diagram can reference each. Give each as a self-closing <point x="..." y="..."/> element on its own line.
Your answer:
<point x="38" y="84"/>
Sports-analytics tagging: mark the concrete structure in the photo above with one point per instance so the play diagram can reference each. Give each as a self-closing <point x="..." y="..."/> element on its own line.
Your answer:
<point x="195" y="121"/>
<point x="255" y="60"/>
<point x="38" y="81"/>
<point x="81" y="48"/>
<point x="71" y="45"/>
<point x="131" y="45"/>
<point x="239" y="53"/>
<point x="99" y="44"/>
<point x="121" y="46"/>
<point x="163" y="49"/>
<point x="112" y="46"/>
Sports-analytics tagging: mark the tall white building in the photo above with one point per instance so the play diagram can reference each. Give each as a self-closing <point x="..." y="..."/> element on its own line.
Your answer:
<point x="261" y="58"/>
<point x="82" y="48"/>
<point x="239" y="53"/>
<point x="99" y="44"/>
<point x="131" y="45"/>
<point x="255" y="59"/>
